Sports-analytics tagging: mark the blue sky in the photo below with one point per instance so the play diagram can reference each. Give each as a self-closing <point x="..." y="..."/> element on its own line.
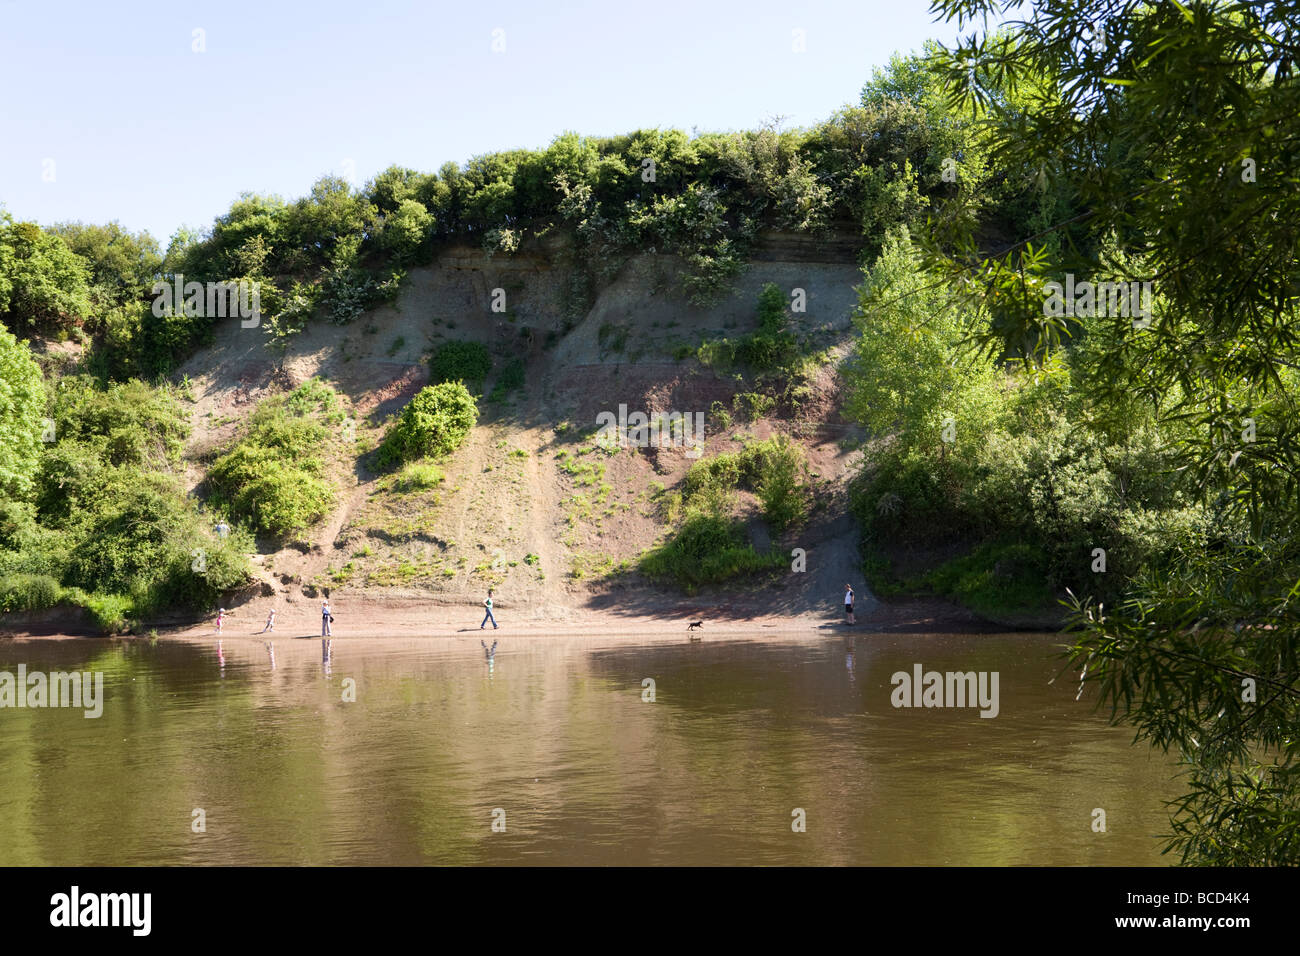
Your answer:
<point x="142" y="129"/>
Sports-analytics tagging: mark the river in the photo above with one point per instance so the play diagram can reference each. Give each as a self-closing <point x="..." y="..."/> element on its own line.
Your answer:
<point x="764" y="749"/>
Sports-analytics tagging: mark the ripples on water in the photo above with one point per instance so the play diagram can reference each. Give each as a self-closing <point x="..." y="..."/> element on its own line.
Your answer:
<point x="556" y="734"/>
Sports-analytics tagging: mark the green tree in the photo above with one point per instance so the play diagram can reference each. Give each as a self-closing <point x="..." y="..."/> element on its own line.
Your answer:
<point x="405" y="230"/>
<point x="44" y="285"/>
<point x="22" y="400"/>
<point x="122" y="263"/>
<point x="1174" y="127"/>
<point x="915" y="376"/>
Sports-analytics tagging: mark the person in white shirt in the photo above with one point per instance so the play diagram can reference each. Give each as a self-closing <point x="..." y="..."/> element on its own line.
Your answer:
<point x="848" y="605"/>
<point x="488" y="616"/>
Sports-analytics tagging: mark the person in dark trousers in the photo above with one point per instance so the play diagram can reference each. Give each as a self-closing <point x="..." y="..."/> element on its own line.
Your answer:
<point x="848" y="605"/>
<point x="488" y="616"/>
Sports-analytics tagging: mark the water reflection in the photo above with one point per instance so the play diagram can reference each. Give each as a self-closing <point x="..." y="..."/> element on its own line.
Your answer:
<point x="740" y="732"/>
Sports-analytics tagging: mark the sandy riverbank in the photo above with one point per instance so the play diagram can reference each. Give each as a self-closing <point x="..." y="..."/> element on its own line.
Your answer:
<point x="363" y="618"/>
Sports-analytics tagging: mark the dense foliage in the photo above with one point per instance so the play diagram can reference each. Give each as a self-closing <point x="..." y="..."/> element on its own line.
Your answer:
<point x="465" y="362"/>
<point x="710" y="544"/>
<point x="1004" y="463"/>
<point x="275" y="477"/>
<point x="435" y="422"/>
<point x="1170" y="130"/>
<point x="107" y="523"/>
<point x="22" y="395"/>
<point x="340" y="250"/>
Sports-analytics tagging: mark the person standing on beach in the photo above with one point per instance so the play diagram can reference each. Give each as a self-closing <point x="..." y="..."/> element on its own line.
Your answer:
<point x="488" y="616"/>
<point x="270" y="622"/>
<point x="848" y="605"/>
<point x="221" y="618"/>
<point x="326" y="619"/>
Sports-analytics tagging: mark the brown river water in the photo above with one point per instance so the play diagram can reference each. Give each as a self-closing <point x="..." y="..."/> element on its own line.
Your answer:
<point x="553" y="755"/>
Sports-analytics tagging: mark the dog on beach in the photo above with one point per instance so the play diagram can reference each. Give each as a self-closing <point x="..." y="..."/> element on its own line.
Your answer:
<point x="693" y="626"/>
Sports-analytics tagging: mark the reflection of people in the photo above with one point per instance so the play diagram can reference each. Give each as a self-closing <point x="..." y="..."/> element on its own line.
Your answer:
<point x="326" y="654"/>
<point x="487" y="603"/>
<point x="490" y="655"/>
<point x="270" y="649"/>
<point x="848" y="604"/>
<point x="270" y="622"/>
<point x="848" y="658"/>
<point x="221" y="656"/>
<point x="326" y="619"/>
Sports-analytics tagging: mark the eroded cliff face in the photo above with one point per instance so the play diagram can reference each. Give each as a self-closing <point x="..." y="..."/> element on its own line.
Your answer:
<point x="530" y="504"/>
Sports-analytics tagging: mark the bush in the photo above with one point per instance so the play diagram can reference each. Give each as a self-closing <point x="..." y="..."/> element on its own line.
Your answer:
<point x="708" y="548"/>
<point x="771" y="309"/>
<point x="765" y="352"/>
<point x="717" y="353"/>
<point x="29" y="592"/>
<point x="722" y="471"/>
<point x="776" y="471"/>
<point x="346" y="288"/>
<point x="753" y="405"/>
<point x="466" y="362"/>
<point x="995" y="577"/>
<point x="274" y="476"/>
<point x="418" y="476"/>
<point x="277" y="497"/>
<point x="110" y="612"/>
<point x="127" y="423"/>
<point x="772" y="469"/>
<point x="770" y="349"/>
<point x="435" y="422"/>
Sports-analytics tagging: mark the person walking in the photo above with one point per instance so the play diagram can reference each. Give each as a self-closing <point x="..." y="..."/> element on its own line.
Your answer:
<point x="270" y="623"/>
<point x="848" y="605"/>
<point x="326" y="619"/>
<point x="488" y="616"/>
